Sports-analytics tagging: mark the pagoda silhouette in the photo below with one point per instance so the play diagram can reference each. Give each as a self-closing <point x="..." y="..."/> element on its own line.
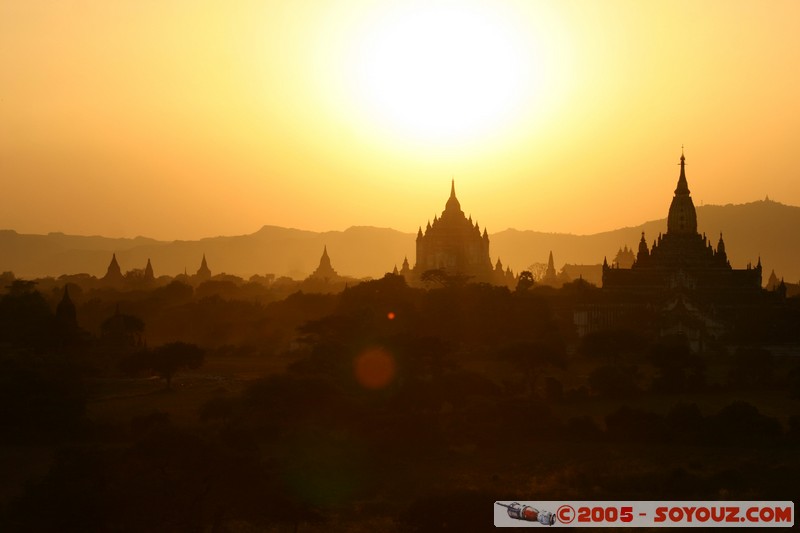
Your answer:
<point x="681" y="285"/>
<point x="683" y="258"/>
<point x="454" y="244"/>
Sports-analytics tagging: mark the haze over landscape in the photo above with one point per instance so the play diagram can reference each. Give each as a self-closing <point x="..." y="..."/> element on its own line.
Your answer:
<point x="758" y="229"/>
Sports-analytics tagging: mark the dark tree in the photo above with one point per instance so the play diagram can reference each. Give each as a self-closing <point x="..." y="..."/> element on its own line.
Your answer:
<point x="25" y="317"/>
<point x="677" y="368"/>
<point x="615" y="381"/>
<point x="166" y="360"/>
<point x="123" y="331"/>
<point x="611" y="344"/>
<point x="170" y="358"/>
<point x="529" y="358"/>
<point x="525" y="281"/>
<point x="442" y="278"/>
<point x="752" y="367"/>
<point x="41" y="396"/>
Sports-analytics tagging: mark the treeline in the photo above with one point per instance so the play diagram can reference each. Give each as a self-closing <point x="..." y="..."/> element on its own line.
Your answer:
<point x="299" y="449"/>
<point x="400" y="409"/>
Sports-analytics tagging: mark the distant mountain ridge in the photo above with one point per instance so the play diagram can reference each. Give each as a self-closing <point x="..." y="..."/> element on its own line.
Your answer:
<point x="764" y="228"/>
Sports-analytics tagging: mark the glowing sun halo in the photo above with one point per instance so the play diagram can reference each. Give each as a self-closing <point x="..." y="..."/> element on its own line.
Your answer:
<point x="441" y="72"/>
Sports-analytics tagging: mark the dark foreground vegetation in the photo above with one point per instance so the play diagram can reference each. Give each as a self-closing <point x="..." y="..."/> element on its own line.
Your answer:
<point x="382" y="408"/>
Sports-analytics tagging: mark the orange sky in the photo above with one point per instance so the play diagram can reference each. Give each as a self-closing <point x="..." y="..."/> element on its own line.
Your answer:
<point x="180" y="119"/>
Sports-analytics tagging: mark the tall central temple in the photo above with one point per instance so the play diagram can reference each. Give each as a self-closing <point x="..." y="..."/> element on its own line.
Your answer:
<point x="454" y="243"/>
<point x="682" y="258"/>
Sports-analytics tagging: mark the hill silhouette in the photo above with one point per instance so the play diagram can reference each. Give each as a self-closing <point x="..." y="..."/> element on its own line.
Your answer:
<point x="763" y="228"/>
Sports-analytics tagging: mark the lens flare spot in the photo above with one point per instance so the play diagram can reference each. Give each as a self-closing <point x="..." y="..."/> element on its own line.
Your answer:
<point x="374" y="368"/>
<point x="390" y="315"/>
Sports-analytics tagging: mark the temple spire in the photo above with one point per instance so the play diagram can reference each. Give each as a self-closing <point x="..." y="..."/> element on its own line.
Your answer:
<point x="683" y="186"/>
<point x="149" y="275"/>
<point x="65" y="311"/>
<point x="644" y="253"/>
<point x="551" y="266"/>
<point x="453" y="205"/>
<point x="682" y="219"/>
<point x="113" y="273"/>
<point x="203" y="272"/>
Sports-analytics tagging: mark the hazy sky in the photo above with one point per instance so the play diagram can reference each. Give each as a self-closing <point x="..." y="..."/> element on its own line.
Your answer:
<point x="178" y="119"/>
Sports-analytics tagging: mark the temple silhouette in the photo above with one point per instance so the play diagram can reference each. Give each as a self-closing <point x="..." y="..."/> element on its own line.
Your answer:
<point x="139" y="278"/>
<point x="325" y="279"/>
<point x="550" y="276"/>
<point x="149" y="275"/>
<point x="325" y="271"/>
<point x="203" y="273"/>
<point x="679" y="285"/>
<point x="682" y="258"/>
<point x="113" y="272"/>
<point x="454" y="244"/>
<point x="624" y="258"/>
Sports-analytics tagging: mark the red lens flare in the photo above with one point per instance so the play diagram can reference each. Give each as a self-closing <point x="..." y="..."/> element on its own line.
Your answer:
<point x="374" y="368"/>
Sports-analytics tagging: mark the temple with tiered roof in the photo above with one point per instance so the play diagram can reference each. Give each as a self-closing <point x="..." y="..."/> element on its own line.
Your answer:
<point x="683" y="258"/>
<point x="454" y="244"/>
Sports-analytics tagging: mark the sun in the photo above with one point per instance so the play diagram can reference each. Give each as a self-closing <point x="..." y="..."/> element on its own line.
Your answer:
<point x="442" y="72"/>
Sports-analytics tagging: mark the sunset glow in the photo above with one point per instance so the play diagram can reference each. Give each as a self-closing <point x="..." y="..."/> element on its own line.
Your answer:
<point x="443" y="73"/>
<point x="185" y="120"/>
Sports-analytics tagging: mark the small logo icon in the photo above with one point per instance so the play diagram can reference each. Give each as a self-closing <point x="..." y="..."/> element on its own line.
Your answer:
<point x="529" y="514"/>
<point x="565" y="514"/>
